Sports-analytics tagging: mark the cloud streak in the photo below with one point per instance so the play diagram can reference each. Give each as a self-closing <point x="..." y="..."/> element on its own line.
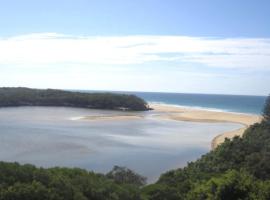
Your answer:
<point x="52" y="48"/>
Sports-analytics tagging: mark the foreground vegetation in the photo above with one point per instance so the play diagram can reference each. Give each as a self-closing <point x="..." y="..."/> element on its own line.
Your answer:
<point x="237" y="169"/>
<point x="26" y="182"/>
<point x="50" y="97"/>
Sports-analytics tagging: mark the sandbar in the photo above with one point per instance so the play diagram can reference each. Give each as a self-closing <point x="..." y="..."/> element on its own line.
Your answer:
<point x="111" y="117"/>
<point x="181" y="113"/>
<point x="201" y="115"/>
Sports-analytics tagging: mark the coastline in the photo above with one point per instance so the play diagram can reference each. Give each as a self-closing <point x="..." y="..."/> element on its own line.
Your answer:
<point x="190" y="114"/>
<point x="202" y="115"/>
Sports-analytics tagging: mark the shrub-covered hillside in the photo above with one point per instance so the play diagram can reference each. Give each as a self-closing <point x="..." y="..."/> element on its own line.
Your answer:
<point x="27" y="182"/>
<point x="50" y="97"/>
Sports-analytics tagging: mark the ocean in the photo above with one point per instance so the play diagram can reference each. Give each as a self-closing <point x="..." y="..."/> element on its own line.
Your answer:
<point x="229" y="103"/>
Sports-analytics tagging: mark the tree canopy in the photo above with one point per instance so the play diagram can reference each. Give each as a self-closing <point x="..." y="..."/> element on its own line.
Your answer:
<point x="266" y="111"/>
<point x="123" y="175"/>
<point x="27" y="182"/>
<point x="50" y="97"/>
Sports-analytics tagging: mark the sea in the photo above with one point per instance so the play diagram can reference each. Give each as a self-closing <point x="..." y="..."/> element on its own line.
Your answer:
<point x="231" y="103"/>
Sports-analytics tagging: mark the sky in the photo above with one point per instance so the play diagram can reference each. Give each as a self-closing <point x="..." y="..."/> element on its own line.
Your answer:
<point x="186" y="46"/>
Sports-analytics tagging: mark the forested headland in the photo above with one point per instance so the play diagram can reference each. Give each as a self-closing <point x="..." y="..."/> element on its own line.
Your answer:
<point x="50" y="97"/>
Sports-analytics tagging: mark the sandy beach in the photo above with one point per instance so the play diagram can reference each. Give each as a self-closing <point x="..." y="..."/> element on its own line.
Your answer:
<point x="164" y="111"/>
<point x="200" y="115"/>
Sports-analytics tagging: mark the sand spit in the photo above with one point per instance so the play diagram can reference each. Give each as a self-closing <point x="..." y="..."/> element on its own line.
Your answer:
<point x="200" y="115"/>
<point x="171" y="112"/>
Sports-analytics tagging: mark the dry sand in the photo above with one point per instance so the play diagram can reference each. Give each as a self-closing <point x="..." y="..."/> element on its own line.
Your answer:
<point x="199" y="115"/>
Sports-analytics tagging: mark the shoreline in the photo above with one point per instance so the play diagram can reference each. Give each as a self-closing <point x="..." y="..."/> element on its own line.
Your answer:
<point x="182" y="113"/>
<point x="190" y="114"/>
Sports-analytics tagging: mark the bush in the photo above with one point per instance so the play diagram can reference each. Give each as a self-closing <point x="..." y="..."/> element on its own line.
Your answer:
<point x="266" y="111"/>
<point x="123" y="175"/>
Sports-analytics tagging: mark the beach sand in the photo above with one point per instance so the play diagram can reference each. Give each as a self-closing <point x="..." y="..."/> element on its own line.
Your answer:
<point x="200" y="115"/>
<point x="111" y="117"/>
<point x="164" y="111"/>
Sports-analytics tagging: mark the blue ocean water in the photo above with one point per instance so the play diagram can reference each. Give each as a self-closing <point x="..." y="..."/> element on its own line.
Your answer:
<point x="230" y="103"/>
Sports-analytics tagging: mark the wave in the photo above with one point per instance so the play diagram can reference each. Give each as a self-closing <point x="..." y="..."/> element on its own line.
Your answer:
<point x="197" y="107"/>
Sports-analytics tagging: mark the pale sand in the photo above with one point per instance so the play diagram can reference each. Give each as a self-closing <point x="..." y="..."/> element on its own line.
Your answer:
<point x="111" y="117"/>
<point x="171" y="112"/>
<point x="199" y="115"/>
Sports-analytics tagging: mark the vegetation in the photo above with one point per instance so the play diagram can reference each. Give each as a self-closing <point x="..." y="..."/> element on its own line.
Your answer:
<point x="26" y="182"/>
<point x="123" y="175"/>
<point x="266" y="111"/>
<point x="238" y="169"/>
<point x="50" y="97"/>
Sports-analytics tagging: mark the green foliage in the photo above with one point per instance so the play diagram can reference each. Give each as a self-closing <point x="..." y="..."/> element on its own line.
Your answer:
<point x="22" y="191"/>
<point x="123" y="175"/>
<point x="35" y="97"/>
<point x="160" y="192"/>
<point x="232" y="185"/>
<point x="26" y="182"/>
<point x="266" y="111"/>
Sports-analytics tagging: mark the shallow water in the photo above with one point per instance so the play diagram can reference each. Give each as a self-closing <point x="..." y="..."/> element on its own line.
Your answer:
<point x="47" y="136"/>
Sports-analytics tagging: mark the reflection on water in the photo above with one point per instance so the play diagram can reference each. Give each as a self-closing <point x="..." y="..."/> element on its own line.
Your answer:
<point x="47" y="136"/>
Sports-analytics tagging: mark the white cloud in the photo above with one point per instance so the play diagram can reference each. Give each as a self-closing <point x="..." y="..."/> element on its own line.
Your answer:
<point x="52" y="48"/>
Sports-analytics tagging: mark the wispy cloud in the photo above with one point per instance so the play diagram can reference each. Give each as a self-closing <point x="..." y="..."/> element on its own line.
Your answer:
<point x="52" y="48"/>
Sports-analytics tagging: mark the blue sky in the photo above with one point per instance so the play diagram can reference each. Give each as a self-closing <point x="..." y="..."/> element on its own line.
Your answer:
<point x="202" y="46"/>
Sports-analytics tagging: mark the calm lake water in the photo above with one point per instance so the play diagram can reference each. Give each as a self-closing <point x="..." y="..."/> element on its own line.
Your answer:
<point x="47" y="136"/>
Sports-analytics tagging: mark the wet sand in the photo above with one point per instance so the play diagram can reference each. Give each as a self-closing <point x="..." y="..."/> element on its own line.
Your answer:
<point x="111" y="117"/>
<point x="200" y="115"/>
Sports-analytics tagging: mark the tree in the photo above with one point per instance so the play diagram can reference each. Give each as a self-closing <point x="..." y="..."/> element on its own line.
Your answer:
<point x="123" y="175"/>
<point x="232" y="185"/>
<point x="160" y="192"/>
<point x="266" y="111"/>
